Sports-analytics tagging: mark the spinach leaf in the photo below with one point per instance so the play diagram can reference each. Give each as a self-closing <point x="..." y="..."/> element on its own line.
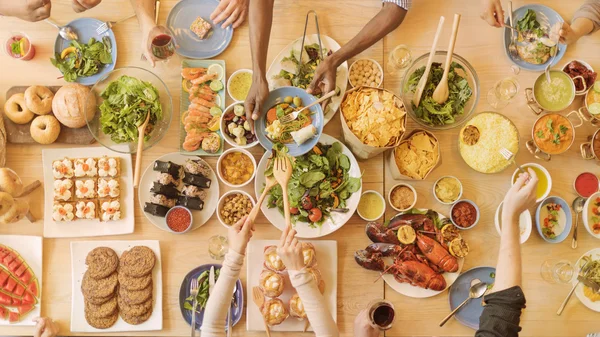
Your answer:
<point x="309" y="179"/>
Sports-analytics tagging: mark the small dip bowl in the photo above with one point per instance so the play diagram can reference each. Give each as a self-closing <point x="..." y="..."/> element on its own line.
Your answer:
<point x="367" y="68"/>
<point x="590" y="183"/>
<point x="176" y="218"/>
<point x="382" y="202"/>
<point x="440" y="200"/>
<point x="396" y="189"/>
<point x="221" y="204"/>
<point x="538" y="169"/>
<point x="525" y="223"/>
<point x="459" y="204"/>
<point x="237" y="74"/>
<point x="220" y="166"/>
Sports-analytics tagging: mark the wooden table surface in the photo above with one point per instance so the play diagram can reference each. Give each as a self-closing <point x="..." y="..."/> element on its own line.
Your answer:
<point x="477" y="42"/>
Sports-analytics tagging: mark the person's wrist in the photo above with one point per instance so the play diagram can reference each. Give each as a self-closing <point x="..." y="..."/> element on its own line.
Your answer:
<point x="334" y="60"/>
<point x="258" y="77"/>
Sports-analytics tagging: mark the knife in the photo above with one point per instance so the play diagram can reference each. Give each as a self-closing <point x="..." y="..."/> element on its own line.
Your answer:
<point x="211" y="280"/>
<point x="586" y="281"/>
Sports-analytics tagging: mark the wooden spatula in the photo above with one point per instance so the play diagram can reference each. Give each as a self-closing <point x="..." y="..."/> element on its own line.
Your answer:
<point x="441" y="93"/>
<point x="423" y="80"/>
<point x="140" y="148"/>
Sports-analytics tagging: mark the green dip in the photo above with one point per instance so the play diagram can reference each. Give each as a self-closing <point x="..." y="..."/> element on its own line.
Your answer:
<point x="556" y="95"/>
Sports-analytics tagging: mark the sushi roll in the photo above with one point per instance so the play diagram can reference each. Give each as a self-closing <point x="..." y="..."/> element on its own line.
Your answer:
<point x="62" y="169"/>
<point x="108" y="188"/>
<point x="85" y="167"/>
<point x="63" y="189"/>
<point x="191" y="202"/>
<point x="86" y="210"/>
<point x="63" y="211"/>
<point x="85" y="189"/>
<point x="109" y="167"/>
<point x="167" y="167"/>
<point x="157" y="210"/>
<point x="197" y="167"/>
<point x="194" y="191"/>
<point x="166" y="190"/>
<point x="196" y="180"/>
<point x="110" y="210"/>
<point x="162" y="200"/>
<point x="167" y="179"/>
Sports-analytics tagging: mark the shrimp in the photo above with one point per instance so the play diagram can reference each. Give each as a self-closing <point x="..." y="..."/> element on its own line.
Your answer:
<point x="193" y="140"/>
<point x="199" y="113"/>
<point x="204" y="78"/>
<point x="192" y="73"/>
<point x="196" y="120"/>
<point x="201" y="102"/>
<point x="202" y="96"/>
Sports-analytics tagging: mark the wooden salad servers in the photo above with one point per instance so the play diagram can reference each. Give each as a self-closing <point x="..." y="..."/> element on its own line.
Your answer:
<point x="441" y="93"/>
<point x="423" y="80"/>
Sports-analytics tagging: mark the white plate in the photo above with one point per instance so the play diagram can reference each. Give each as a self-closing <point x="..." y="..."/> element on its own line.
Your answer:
<point x="200" y="217"/>
<point x="335" y="221"/>
<point x="79" y="251"/>
<point x="595" y="253"/>
<point x="341" y="80"/>
<point x="30" y="249"/>
<point x="326" y="263"/>
<point x="81" y="228"/>
<point x="409" y="290"/>
<point x="586" y="214"/>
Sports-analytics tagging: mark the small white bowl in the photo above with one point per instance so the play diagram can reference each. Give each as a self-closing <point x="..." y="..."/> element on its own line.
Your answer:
<point x="382" y="202"/>
<point x="390" y="197"/>
<point x="459" y="194"/>
<point x="222" y="200"/>
<point x="543" y="169"/>
<point x="229" y="82"/>
<point x="476" y="209"/>
<point x="367" y="59"/>
<point x="585" y="64"/>
<point x="228" y="139"/>
<point x="525" y="223"/>
<point x="220" y="161"/>
<point x="191" y="219"/>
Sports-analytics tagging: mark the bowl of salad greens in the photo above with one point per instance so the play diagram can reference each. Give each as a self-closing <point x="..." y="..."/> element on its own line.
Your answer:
<point x="463" y="85"/>
<point x="124" y="97"/>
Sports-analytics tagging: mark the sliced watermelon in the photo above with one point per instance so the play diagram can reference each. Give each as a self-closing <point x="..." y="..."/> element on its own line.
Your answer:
<point x="8" y="258"/>
<point x="3" y="312"/>
<point x="3" y="277"/>
<point x="5" y="299"/>
<point x="13" y="317"/>
<point x="26" y="276"/>
<point x="28" y="298"/>
<point x="3" y="253"/>
<point x="10" y="284"/>
<point x="19" y="290"/>
<point x="16" y="302"/>
<point x="25" y="309"/>
<point x="15" y="264"/>
<point x="21" y="269"/>
<point x="34" y="288"/>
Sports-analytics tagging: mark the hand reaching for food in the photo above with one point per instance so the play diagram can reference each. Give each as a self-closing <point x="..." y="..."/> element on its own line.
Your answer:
<point x="259" y="91"/>
<point x="239" y="234"/>
<point x="324" y="80"/>
<point x="28" y="10"/>
<point x="290" y="250"/>
<point x="521" y="196"/>
<point x="233" y="12"/>
<point x="45" y="327"/>
<point x="83" y="5"/>
<point x="492" y="12"/>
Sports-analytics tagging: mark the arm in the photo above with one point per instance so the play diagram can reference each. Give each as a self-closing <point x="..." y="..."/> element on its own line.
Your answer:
<point x="28" y="10"/>
<point x="45" y="327"/>
<point x="492" y="12"/>
<point x="233" y="12"/>
<point x="585" y="21"/>
<point x="144" y="10"/>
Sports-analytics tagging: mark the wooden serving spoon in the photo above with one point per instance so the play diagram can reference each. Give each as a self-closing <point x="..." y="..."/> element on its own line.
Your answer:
<point x="423" y="80"/>
<point x="270" y="183"/>
<point x="140" y="148"/>
<point x="441" y="93"/>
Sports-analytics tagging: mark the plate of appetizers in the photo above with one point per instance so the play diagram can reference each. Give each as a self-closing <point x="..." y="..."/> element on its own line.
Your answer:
<point x="87" y="192"/>
<point x="283" y="310"/>
<point x="20" y="279"/>
<point x="585" y="294"/>
<point x="196" y="35"/>
<point x="175" y="179"/>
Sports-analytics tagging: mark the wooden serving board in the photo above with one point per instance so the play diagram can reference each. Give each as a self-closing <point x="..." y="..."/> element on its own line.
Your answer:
<point x="19" y="133"/>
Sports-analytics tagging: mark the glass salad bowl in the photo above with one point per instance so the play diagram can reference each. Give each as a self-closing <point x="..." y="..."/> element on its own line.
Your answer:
<point x="442" y="121"/>
<point x="121" y="99"/>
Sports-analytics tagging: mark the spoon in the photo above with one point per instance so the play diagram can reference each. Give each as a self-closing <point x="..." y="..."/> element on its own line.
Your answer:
<point x="65" y="32"/>
<point x="229" y="313"/>
<point x="140" y="148"/>
<point x="578" y="208"/>
<point x="441" y="93"/>
<point x="476" y="291"/>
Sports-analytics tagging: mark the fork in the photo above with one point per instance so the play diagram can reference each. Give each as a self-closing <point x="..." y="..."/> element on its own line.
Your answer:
<point x="194" y="294"/>
<point x="510" y="157"/>
<point x="293" y="115"/>
<point x="103" y="28"/>
<point x="282" y="171"/>
<point x="270" y="183"/>
<point x="512" y="48"/>
<point x="582" y="272"/>
<point x="259" y="299"/>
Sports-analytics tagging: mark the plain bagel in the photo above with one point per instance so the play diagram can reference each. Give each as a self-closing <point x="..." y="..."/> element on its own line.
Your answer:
<point x="10" y="182"/>
<point x="39" y="99"/>
<point x="45" y="129"/>
<point x="16" y="110"/>
<point x="69" y="105"/>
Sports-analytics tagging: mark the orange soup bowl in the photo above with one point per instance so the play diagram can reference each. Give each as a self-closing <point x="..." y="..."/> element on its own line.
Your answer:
<point x="553" y="134"/>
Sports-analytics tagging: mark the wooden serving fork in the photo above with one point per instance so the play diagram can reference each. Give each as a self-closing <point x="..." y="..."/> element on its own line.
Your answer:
<point x="259" y="299"/>
<point x="282" y="171"/>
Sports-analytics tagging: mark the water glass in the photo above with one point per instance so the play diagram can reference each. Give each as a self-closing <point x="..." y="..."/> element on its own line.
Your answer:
<point x="557" y="271"/>
<point x="399" y="60"/>
<point x="217" y="247"/>
<point x="503" y="92"/>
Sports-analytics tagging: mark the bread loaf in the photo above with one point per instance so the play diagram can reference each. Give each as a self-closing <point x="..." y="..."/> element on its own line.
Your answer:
<point x="70" y="107"/>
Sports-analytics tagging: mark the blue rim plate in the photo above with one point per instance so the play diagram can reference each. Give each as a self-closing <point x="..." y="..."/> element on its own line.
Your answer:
<point x="518" y="14"/>
<point x="189" y="45"/>
<point x="86" y="29"/>
<point x="568" y="219"/>
<point x="277" y="96"/>
<point x="470" y="313"/>
<point x="184" y="292"/>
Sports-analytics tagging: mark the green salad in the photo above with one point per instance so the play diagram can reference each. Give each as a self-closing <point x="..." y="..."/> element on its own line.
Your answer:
<point x="300" y="74"/>
<point x="202" y="296"/>
<point x="429" y="111"/>
<point x="83" y="60"/>
<point x="126" y="103"/>
<point x="320" y="183"/>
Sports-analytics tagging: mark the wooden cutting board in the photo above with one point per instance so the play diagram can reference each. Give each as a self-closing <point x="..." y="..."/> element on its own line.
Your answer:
<point x="19" y="133"/>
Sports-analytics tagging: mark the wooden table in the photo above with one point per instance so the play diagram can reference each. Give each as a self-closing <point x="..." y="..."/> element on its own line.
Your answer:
<point x="355" y="285"/>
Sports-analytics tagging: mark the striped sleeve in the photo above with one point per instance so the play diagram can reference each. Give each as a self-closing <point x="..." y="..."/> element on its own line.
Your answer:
<point x="401" y="3"/>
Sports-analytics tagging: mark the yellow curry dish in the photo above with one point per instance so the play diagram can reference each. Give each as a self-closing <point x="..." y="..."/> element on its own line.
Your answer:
<point x="553" y="134"/>
<point x="236" y="168"/>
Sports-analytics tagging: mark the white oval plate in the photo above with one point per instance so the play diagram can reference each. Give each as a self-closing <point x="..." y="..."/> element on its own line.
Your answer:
<point x="586" y="214"/>
<point x="595" y="253"/>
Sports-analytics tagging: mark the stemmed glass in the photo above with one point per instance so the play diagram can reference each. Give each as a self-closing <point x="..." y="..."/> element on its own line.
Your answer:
<point x="399" y="60"/>
<point x="503" y="92"/>
<point x="217" y="247"/>
<point x="557" y="271"/>
<point x="162" y="44"/>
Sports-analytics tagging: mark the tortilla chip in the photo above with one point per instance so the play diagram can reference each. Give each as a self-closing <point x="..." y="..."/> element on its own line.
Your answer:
<point x="416" y="156"/>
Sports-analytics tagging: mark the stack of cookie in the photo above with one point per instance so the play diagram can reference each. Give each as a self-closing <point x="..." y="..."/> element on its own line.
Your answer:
<point x="99" y="288"/>
<point x="135" y="284"/>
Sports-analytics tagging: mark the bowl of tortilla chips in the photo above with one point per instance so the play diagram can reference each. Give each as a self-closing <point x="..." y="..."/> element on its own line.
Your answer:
<point x="416" y="156"/>
<point x="373" y="120"/>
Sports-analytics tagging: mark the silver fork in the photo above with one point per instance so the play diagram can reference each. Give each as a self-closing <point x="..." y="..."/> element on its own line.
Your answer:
<point x="512" y="48"/>
<point x="510" y="157"/>
<point x="103" y="28"/>
<point x="293" y="115"/>
<point x="194" y="293"/>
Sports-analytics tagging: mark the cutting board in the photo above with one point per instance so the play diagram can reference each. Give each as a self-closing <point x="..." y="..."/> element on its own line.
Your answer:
<point x="19" y="133"/>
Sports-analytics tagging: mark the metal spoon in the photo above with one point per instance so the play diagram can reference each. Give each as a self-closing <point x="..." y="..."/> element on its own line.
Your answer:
<point x="578" y="208"/>
<point x="65" y="32"/>
<point x="229" y="312"/>
<point x="476" y="291"/>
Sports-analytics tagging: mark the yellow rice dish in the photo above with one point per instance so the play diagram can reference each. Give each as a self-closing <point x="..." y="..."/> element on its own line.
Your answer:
<point x="481" y="139"/>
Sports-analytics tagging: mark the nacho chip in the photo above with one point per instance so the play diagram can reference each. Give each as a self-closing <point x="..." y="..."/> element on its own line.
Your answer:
<point x="416" y="156"/>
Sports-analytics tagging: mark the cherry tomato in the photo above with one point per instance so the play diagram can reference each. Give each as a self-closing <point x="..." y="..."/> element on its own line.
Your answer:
<point x="315" y="215"/>
<point x="307" y="203"/>
<point x="294" y="210"/>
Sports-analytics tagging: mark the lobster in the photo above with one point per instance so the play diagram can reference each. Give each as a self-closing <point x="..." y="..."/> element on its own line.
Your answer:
<point x="437" y="254"/>
<point x="377" y="232"/>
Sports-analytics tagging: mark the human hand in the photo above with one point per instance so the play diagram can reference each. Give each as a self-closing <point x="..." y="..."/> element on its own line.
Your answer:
<point x="259" y="91"/>
<point x="149" y="32"/>
<point x="363" y="326"/>
<point x="231" y="11"/>
<point x="290" y="250"/>
<point x="28" y="10"/>
<point x="44" y="327"/>
<point x="567" y="34"/>
<point x="521" y="196"/>
<point x="324" y="79"/>
<point x="239" y="234"/>
<point x="83" y="5"/>
<point x="492" y="12"/>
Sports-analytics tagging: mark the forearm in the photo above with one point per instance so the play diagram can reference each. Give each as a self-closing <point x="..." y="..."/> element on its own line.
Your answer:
<point x="508" y="270"/>
<point x="220" y="298"/>
<point x="388" y="19"/>
<point x="144" y="10"/>
<point x="582" y="26"/>
<point x="587" y="18"/>
<point x="260" y="20"/>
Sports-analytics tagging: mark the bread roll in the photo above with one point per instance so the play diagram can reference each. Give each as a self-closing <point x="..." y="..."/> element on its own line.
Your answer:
<point x="10" y="182"/>
<point x="70" y="106"/>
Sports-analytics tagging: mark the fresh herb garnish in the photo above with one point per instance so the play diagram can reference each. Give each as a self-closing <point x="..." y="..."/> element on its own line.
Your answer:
<point x="15" y="47"/>
<point x="82" y="60"/>
<point x="549" y="125"/>
<point x="556" y="139"/>
<point x="529" y="23"/>
<point x="540" y="134"/>
<point x="563" y="129"/>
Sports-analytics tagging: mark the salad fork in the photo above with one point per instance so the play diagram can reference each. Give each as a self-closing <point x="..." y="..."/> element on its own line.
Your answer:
<point x="103" y="28"/>
<point x="508" y="155"/>
<point x="582" y="273"/>
<point x="293" y="115"/>
<point x="512" y="48"/>
<point x="282" y="171"/>
<point x="259" y="299"/>
<point x="194" y="293"/>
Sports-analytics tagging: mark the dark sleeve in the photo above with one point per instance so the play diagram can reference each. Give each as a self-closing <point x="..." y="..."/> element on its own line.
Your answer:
<point x="502" y="314"/>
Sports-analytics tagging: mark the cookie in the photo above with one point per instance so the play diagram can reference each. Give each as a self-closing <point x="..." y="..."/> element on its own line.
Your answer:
<point x="134" y="309"/>
<point x="136" y="296"/>
<point x="102" y="261"/>
<point x="134" y="283"/>
<point x="100" y="300"/>
<point x="135" y="320"/>
<point x="138" y="261"/>
<point x="98" y="288"/>
<point x="102" y="323"/>
<point x="103" y="310"/>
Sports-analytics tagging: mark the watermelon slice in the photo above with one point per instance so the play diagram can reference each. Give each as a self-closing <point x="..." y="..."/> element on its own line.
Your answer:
<point x="3" y="312"/>
<point x="3" y="277"/>
<point x="21" y="269"/>
<point x="34" y="288"/>
<point x="26" y="276"/>
<point x="3" y="253"/>
<point x="16" y="301"/>
<point x="5" y="299"/>
<point x="15" y="264"/>
<point x="13" y="317"/>
<point x="25" y="309"/>
<point x="9" y="258"/>
<point x="28" y="298"/>
<point x="19" y="290"/>
<point x="10" y="284"/>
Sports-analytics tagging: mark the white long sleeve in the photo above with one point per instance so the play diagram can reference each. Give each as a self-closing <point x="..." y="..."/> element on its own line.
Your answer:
<point x="219" y="301"/>
<point x="314" y="304"/>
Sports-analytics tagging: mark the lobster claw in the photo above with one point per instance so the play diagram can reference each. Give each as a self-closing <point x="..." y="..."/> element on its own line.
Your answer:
<point x="369" y="260"/>
<point x="377" y="232"/>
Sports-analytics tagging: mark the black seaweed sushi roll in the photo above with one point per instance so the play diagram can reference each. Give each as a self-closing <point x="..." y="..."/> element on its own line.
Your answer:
<point x="191" y="203"/>
<point x="167" y="167"/>
<point x="196" y="180"/>
<point x="168" y="191"/>
<point x="157" y="210"/>
<point x="160" y="199"/>
<point x="194" y="191"/>
<point x="197" y="167"/>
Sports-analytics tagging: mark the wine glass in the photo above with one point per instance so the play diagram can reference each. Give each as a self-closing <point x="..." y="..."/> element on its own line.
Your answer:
<point x="399" y="59"/>
<point x="162" y="44"/>
<point x="381" y="313"/>
<point x="557" y="271"/>
<point x="503" y="92"/>
<point x="217" y="247"/>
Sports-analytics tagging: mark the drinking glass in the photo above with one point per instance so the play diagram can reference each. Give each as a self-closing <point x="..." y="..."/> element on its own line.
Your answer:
<point x="28" y="51"/>
<point x="399" y="60"/>
<point x="503" y="92"/>
<point x="162" y="44"/>
<point x="557" y="271"/>
<point x="381" y="314"/>
<point x="217" y="247"/>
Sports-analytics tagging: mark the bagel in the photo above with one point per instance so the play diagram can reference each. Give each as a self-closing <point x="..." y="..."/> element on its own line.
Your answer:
<point x="39" y="99"/>
<point x="22" y="207"/>
<point x="8" y="208"/>
<point x="45" y="129"/>
<point x="70" y="106"/>
<point x="16" y="110"/>
<point x="10" y="182"/>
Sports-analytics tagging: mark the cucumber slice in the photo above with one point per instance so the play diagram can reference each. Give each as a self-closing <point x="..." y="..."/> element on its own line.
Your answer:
<point x="215" y="111"/>
<point x="594" y="109"/>
<point x="216" y="85"/>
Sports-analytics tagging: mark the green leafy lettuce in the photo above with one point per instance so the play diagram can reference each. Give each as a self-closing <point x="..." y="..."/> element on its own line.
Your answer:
<point x="85" y="60"/>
